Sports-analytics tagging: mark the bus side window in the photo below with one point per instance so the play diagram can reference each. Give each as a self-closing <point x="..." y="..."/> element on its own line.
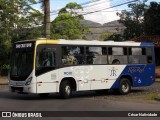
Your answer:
<point x="72" y="55"/>
<point x="45" y="57"/>
<point x="134" y="52"/>
<point x="117" y="55"/>
<point x="149" y="55"/>
<point x="137" y="55"/>
<point x="109" y="50"/>
<point x="149" y="59"/>
<point x="50" y="60"/>
<point x="96" y="55"/>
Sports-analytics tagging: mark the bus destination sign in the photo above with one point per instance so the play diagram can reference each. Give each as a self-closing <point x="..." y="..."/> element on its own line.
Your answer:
<point x="24" y="45"/>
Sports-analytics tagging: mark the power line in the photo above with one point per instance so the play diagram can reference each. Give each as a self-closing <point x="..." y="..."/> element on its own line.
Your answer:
<point x="113" y="10"/>
<point x="117" y="10"/>
<point x="98" y="5"/>
<point x="120" y="4"/>
<point x="92" y="3"/>
<point x="89" y="2"/>
<point x="110" y="7"/>
<point x="114" y="4"/>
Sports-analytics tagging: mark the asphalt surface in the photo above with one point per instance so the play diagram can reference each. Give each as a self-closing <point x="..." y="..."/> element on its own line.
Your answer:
<point x="80" y="101"/>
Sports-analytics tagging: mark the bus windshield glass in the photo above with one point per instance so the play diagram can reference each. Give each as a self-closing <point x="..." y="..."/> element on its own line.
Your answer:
<point x="22" y="61"/>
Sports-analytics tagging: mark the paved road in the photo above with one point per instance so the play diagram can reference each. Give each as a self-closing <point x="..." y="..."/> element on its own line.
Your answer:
<point x="82" y="101"/>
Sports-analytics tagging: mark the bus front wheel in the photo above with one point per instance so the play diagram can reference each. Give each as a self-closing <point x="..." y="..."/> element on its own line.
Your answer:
<point x="65" y="89"/>
<point x="125" y="86"/>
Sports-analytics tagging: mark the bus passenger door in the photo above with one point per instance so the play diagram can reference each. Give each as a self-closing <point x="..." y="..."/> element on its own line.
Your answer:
<point x="47" y="83"/>
<point x="47" y="76"/>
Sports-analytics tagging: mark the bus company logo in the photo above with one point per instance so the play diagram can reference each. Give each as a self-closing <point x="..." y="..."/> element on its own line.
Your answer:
<point x="135" y="69"/>
<point x="113" y="71"/>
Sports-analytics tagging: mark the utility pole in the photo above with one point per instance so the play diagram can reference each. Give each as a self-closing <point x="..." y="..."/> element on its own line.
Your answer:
<point x="47" y="18"/>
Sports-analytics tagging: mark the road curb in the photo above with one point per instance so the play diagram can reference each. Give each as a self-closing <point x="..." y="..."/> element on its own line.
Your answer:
<point x="3" y="83"/>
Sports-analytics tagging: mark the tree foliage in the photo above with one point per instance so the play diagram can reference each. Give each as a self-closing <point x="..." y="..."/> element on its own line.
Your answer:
<point x="67" y="25"/>
<point x="141" y="20"/>
<point x="15" y="16"/>
<point x="133" y="20"/>
<point x="72" y="8"/>
<point x="152" y="19"/>
<point x="18" y="21"/>
<point x="115" y="37"/>
<point x="106" y="35"/>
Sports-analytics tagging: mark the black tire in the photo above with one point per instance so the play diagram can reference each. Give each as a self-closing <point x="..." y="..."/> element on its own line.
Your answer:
<point x="124" y="86"/>
<point x="44" y="95"/>
<point x="65" y="89"/>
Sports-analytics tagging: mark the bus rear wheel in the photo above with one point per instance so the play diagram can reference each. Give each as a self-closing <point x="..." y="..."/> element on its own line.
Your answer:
<point x="65" y="89"/>
<point x="125" y="86"/>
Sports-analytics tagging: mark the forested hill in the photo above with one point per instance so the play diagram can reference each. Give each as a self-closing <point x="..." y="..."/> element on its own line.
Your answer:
<point x="97" y="29"/>
<point x="90" y="23"/>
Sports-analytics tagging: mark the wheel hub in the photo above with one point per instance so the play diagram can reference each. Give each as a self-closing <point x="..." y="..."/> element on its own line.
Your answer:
<point x="68" y="89"/>
<point x="125" y="87"/>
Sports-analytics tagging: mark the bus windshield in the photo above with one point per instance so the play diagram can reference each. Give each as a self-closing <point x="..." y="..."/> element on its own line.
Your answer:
<point x="21" y="61"/>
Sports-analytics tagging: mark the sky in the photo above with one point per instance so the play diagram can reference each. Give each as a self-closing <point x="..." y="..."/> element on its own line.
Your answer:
<point x="107" y="14"/>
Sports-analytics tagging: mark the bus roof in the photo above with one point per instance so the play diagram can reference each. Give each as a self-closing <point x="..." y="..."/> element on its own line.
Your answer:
<point x="88" y="42"/>
<point x="96" y="42"/>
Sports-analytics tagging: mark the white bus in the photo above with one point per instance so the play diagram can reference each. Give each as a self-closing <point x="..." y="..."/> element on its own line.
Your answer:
<point x="44" y="66"/>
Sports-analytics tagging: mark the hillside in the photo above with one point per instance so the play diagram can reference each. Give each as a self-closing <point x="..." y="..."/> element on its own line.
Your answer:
<point x="98" y="29"/>
<point x="90" y="23"/>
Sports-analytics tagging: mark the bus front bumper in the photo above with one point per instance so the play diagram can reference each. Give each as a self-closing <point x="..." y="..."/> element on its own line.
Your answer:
<point x="21" y="88"/>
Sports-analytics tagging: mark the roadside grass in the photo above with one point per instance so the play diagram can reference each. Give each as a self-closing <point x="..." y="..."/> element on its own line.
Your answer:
<point x="158" y="81"/>
<point x="152" y="96"/>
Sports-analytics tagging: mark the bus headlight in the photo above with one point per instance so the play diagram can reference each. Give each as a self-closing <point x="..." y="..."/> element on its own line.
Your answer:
<point x="28" y="82"/>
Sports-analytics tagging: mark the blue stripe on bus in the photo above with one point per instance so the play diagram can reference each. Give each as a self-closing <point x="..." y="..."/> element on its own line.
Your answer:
<point x="141" y="75"/>
<point x="146" y="44"/>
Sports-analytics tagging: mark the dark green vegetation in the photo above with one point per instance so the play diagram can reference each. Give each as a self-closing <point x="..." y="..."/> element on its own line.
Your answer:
<point x="67" y="25"/>
<point x="18" y="21"/>
<point x="141" y="20"/>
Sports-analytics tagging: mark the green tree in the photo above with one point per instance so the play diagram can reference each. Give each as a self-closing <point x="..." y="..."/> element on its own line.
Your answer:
<point x="115" y="37"/>
<point x="15" y="17"/>
<point x="67" y="25"/>
<point x="133" y="20"/>
<point x="152" y="19"/>
<point x="29" y="27"/>
<point x="72" y="8"/>
<point x="105" y="36"/>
